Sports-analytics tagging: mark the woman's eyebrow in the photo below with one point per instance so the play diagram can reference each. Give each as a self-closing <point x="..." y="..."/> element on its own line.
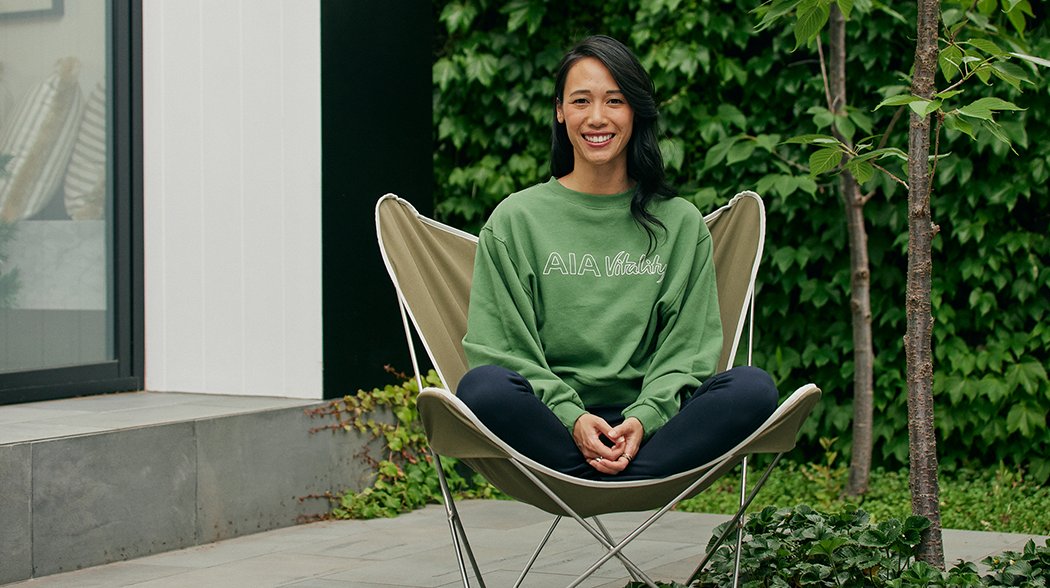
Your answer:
<point x="587" y="91"/>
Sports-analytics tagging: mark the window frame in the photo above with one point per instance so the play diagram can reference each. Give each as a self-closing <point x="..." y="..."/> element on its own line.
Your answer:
<point x="126" y="371"/>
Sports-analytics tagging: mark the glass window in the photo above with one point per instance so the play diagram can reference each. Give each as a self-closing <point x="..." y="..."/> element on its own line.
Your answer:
<point x="56" y="185"/>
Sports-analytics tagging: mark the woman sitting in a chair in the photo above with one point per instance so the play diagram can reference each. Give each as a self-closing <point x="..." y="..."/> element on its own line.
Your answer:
<point x="594" y="329"/>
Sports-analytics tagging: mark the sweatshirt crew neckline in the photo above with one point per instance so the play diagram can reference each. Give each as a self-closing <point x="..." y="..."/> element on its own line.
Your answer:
<point x="598" y="201"/>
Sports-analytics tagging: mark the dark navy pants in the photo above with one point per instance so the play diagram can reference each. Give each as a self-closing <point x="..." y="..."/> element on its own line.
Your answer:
<point x="720" y="414"/>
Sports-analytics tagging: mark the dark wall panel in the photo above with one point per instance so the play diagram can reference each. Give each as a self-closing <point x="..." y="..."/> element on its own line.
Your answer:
<point x="376" y="138"/>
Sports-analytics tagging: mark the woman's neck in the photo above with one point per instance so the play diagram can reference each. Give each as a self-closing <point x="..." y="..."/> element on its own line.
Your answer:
<point x="580" y="180"/>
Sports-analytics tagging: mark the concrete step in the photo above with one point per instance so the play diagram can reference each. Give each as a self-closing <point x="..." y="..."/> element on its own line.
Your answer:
<point x="93" y="480"/>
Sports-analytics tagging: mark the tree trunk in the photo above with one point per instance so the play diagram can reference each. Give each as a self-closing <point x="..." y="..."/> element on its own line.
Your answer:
<point x="922" y="442"/>
<point x="860" y="274"/>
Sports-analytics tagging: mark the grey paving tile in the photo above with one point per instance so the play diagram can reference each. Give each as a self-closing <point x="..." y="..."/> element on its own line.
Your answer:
<point x="976" y="545"/>
<point x="108" y="576"/>
<point x="20" y="413"/>
<point x="271" y="570"/>
<point x="26" y="432"/>
<point x="213" y="554"/>
<point x="323" y="583"/>
<point x="250" y="402"/>
<point x="147" y="416"/>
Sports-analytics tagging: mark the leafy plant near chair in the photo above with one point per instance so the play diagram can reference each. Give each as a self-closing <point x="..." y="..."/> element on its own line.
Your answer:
<point x="804" y="547"/>
<point x="406" y="478"/>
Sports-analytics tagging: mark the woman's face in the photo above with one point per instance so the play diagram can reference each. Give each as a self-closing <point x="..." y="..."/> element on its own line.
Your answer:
<point x="597" y="117"/>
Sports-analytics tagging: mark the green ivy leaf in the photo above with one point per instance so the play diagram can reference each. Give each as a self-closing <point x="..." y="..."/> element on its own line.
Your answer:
<point x="1025" y="420"/>
<point x="482" y="68"/>
<point x="458" y="16"/>
<point x="673" y="152"/>
<point x="1026" y="375"/>
<point x="444" y="73"/>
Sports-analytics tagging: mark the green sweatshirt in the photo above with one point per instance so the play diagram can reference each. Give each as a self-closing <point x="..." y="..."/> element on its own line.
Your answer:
<point x="565" y="294"/>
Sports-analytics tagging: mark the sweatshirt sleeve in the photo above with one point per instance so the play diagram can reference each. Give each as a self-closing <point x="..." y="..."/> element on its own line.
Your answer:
<point x="688" y="345"/>
<point x="502" y="327"/>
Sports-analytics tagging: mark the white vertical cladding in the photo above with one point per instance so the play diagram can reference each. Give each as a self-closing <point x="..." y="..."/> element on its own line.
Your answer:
<point x="232" y="139"/>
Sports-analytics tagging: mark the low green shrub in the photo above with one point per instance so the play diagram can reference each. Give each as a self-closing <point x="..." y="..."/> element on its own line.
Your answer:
<point x="804" y="547"/>
<point x="406" y="477"/>
<point x="1002" y="499"/>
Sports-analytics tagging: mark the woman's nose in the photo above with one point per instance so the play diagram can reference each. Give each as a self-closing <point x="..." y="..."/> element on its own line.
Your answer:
<point x="596" y="115"/>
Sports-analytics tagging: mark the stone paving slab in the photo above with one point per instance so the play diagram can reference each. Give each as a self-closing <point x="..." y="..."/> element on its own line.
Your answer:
<point x="414" y="551"/>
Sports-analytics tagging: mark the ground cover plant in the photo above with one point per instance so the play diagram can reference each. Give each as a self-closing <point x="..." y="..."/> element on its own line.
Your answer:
<point x="804" y="547"/>
<point x="996" y="499"/>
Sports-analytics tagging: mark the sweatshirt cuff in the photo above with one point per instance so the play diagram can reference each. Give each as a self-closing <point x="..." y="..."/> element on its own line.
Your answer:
<point x="567" y="413"/>
<point x="648" y="416"/>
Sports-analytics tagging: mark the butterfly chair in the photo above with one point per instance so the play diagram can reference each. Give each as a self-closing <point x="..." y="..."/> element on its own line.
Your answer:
<point x="431" y="265"/>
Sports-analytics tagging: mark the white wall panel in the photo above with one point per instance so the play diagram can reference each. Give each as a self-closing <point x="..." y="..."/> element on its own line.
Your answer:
<point x="233" y="196"/>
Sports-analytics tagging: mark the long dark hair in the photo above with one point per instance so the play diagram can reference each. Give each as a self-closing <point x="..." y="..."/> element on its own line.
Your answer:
<point x="645" y="165"/>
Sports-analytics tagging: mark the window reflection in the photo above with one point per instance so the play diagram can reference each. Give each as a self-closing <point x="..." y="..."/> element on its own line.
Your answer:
<point x="55" y="190"/>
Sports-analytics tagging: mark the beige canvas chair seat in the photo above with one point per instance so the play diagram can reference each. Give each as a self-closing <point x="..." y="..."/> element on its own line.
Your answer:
<point x="431" y="265"/>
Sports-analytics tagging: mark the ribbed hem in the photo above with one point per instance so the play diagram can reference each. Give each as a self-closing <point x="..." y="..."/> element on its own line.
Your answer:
<point x="646" y="415"/>
<point x="597" y="201"/>
<point x="567" y="413"/>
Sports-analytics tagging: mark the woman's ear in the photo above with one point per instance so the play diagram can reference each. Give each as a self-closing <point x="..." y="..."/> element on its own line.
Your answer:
<point x="558" y="113"/>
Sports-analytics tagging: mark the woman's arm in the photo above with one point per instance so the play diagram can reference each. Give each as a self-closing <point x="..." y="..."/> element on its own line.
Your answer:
<point x="688" y="345"/>
<point x="502" y="327"/>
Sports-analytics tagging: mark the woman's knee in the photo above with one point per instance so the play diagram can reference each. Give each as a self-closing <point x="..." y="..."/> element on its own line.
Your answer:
<point x="486" y="382"/>
<point x="758" y="385"/>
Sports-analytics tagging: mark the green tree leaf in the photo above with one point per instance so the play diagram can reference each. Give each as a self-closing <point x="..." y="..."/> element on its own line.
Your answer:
<point x="812" y="16"/>
<point x="824" y="160"/>
<point x="1031" y="59"/>
<point x="983" y="108"/>
<point x="740" y="151"/>
<point x="899" y="100"/>
<point x="862" y="171"/>
<point x="950" y="62"/>
<point x="956" y="123"/>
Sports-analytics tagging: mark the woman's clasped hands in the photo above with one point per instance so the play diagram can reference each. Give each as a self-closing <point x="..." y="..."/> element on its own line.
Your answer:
<point x="606" y="448"/>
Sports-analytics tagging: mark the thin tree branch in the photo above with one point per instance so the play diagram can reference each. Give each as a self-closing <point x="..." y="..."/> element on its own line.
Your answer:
<point x="891" y="175"/>
<point x="824" y="74"/>
<point x="889" y="127"/>
<point x="793" y="164"/>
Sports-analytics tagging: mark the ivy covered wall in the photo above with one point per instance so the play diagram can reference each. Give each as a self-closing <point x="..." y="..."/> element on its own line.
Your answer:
<point x="721" y="84"/>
